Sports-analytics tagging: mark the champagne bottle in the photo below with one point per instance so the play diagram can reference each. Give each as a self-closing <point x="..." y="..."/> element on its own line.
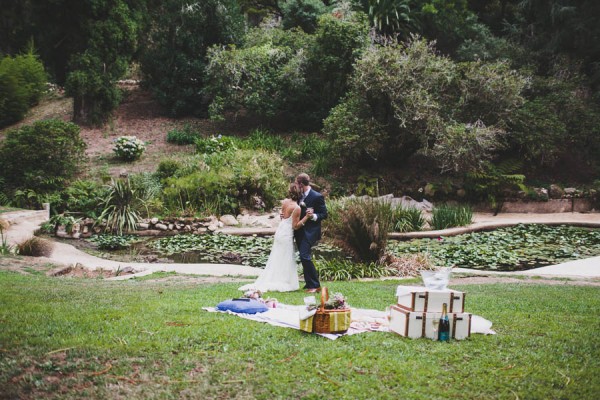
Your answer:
<point x="444" y="328"/>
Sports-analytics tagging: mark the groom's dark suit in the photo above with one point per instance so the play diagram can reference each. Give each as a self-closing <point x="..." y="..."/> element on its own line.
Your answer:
<point x="307" y="236"/>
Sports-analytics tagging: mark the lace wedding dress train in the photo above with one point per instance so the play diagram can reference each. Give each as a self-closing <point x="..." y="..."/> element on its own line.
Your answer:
<point x="281" y="272"/>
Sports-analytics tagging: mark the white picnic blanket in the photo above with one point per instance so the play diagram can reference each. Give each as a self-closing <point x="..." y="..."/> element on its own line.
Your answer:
<point x="363" y="320"/>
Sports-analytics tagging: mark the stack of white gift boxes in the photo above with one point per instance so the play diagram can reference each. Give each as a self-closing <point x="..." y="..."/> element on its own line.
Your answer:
<point x="419" y="306"/>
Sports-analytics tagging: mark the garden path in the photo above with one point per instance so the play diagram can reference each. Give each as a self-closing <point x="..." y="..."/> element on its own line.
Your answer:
<point x="23" y="224"/>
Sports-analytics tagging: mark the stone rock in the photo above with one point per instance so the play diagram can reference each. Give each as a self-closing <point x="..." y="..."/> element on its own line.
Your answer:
<point x="429" y="190"/>
<point x="220" y="224"/>
<point x="229" y="220"/>
<point x="161" y="227"/>
<point x="570" y="191"/>
<point x="556" y="192"/>
<point x="171" y="226"/>
<point x="128" y="270"/>
<point x="541" y="193"/>
<point x="187" y="228"/>
<point x="212" y="227"/>
<point x="154" y="221"/>
<point x="142" y="226"/>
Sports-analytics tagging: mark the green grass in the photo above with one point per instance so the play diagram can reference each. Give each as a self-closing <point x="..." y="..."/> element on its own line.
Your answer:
<point x="145" y="339"/>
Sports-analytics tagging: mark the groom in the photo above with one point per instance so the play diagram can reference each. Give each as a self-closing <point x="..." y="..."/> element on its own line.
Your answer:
<point x="312" y="204"/>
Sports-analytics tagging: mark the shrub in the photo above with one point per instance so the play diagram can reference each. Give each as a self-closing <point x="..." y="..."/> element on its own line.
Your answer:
<point x="446" y="216"/>
<point x="214" y="144"/>
<point x="129" y="148"/>
<point x="408" y="98"/>
<point x="13" y="100"/>
<point x="5" y="248"/>
<point x="225" y="181"/>
<point x="36" y="247"/>
<point x="343" y="270"/>
<point x="51" y="226"/>
<point x="42" y="156"/>
<point x="82" y="196"/>
<point x="22" y="84"/>
<point x="361" y="227"/>
<point x="407" y="219"/>
<point x="167" y="168"/>
<point x="183" y="136"/>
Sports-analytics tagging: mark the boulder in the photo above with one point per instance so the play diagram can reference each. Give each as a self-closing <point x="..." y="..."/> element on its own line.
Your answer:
<point x="556" y="192"/>
<point x="229" y="220"/>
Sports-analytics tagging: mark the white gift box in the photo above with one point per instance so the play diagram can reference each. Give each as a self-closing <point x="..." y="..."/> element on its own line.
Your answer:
<point x="416" y="325"/>
<point x="421" y="299"/>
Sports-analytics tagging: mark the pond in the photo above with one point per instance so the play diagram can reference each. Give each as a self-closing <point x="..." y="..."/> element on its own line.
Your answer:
<point x="515" y="248"/>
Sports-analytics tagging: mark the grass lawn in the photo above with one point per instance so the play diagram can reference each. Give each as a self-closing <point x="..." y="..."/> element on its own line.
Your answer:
<point x="149" y="339"/>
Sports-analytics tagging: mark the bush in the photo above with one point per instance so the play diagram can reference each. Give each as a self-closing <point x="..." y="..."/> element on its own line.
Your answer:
<point x="167" y="168"/>
<point x="35" y="247"/>
<point x="187" y="135"/>
<point x="407" y="219"/>
<point x="408" y="98"/>
<point x="225" y="181"/>
<point x="360" y="226"/>
<point x="13" y="100"/>
<point x="129" y="148"/>
<point x="22" y="84"/>
<point x="43" y="156"/>
<point x="344" y="270"/>
<point x="81" y="196"/>
<point x="447" y="216"/>
<point x="214" y="144"/>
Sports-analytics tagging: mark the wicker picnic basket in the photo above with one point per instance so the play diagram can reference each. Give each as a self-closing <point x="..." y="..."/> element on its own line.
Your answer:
<point x="330" y="321"/>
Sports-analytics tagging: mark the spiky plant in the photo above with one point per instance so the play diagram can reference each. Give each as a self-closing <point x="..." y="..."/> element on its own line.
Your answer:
<point x="121" y="207"/>
<point x="361" y="227"/>
<point x="35" y="247"/>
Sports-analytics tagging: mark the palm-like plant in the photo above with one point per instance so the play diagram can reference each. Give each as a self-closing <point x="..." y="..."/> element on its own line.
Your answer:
<point x="120" y="207"/>
<point x="361" y="227"/>
<point x="388" y="16"/>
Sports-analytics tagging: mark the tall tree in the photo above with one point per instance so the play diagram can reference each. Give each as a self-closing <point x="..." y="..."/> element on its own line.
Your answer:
<point x="174" y="64"/>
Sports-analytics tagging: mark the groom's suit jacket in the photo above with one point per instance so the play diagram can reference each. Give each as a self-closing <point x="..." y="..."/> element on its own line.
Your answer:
<point x="312" y="229"/>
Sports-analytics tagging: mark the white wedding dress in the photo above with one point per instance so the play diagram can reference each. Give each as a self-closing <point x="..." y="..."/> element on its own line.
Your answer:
<point x="281" y="272"/>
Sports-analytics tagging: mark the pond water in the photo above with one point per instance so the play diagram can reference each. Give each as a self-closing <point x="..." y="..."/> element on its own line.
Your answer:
<point x="507" y="249"/>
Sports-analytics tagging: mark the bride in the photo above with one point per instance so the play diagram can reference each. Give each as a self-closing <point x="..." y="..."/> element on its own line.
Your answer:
<point x="281" y="272"/>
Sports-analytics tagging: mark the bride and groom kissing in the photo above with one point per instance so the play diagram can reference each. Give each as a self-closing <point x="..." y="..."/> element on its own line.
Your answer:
<point x="301" y="214"/>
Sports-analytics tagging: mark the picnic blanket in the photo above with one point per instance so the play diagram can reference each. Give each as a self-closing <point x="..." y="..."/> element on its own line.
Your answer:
<point x="363" y="320"/>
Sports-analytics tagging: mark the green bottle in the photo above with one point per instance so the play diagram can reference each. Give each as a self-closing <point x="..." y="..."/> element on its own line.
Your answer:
<point x="444" y="328"/>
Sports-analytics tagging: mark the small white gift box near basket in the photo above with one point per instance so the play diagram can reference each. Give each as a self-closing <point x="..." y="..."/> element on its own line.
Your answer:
<point x="422" y="299"/>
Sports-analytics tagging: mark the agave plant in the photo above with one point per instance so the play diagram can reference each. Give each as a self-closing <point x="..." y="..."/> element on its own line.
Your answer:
<point x="121" y="207"/>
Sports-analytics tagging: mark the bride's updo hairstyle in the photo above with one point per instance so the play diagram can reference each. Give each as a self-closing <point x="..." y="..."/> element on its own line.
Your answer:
<point x="294" y="192"/>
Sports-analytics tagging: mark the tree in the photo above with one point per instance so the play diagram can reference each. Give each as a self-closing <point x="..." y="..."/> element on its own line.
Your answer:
<point x="174" y="64"/>
<point x="406" y="99"/>
<point x="111" y="39"/>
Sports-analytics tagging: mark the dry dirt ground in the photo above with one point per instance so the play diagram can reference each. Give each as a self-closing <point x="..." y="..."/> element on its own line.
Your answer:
<point x="138" y="115"/>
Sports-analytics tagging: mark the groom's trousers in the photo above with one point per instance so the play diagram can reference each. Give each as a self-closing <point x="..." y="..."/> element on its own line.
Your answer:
<point x="311" y="276"/>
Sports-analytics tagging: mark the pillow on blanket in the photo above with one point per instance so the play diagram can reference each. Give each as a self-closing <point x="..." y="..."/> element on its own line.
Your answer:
<point x="246" y="306"/>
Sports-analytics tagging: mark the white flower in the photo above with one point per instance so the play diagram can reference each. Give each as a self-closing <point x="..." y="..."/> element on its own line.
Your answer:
<point x="302" y="204"/>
